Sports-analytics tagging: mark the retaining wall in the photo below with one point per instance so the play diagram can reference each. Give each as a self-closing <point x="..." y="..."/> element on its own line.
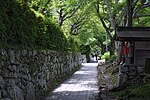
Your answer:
<point x="25" y="74"/>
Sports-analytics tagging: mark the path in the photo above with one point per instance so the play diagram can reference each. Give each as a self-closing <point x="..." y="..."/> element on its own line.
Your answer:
<point x="83" y="85"/>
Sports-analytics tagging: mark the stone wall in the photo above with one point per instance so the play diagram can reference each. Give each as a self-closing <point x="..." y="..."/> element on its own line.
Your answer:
<point x="25" y="74"/>
<point x="128" y="72"/>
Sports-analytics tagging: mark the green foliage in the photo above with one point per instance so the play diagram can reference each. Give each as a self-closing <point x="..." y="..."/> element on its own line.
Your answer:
<point x="73" y="44"/>
<point x="106" y="55"/>
<point x="23" y="27"/>
<point x="86" y="50"/>
<point x="142" y="91"/>
<point x="113" y="58"/>
<point x="135" y="93"/>
<point x="32" y="68"/>
<point x="34" y="24"/>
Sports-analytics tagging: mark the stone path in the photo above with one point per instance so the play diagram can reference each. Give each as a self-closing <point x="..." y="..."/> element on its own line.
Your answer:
<point x="83" y="85"/>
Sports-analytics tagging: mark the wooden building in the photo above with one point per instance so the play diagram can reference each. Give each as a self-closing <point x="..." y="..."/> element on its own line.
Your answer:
<point x="139" y="39"/>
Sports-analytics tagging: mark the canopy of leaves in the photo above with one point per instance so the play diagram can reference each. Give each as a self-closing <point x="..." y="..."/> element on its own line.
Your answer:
<point x="66" y="24"/>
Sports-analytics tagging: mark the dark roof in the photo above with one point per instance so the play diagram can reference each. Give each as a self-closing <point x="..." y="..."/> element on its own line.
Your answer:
<point x="132" y="34"/>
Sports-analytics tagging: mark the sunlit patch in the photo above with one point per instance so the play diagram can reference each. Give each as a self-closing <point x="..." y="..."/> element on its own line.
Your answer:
<point x="90" y="64"/>
<point x="84" y="72"/>
<point x="75" y="87"/>
<point x="77" y="84"/>
<point x="82" y="84"/>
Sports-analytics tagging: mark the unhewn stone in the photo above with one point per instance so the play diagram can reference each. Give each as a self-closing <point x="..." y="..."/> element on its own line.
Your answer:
<point x="30" y="92"/>
<point x="15" y="92"/>
<point x="2" y="82"/>
<point x="12" y="57"/>
<point x="25" y="74"/>
<point x="5" y="99"/>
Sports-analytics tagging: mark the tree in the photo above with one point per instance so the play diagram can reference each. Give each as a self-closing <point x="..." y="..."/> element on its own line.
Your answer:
<point x="77" y="24"/>
<point x="107" y="28"/>
<point x="66" y="10"/>
<point x="77" y="17"/>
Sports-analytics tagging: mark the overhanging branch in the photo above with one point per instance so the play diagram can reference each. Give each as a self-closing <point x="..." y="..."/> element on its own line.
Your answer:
<point x="73" y="12"/>
<point x="138" y="9"/>
<point x="142" y="15"/>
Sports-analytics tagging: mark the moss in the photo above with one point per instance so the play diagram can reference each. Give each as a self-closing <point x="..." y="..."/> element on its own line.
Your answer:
<point x="114" y="79"/>
<point x="38" y="90"/>
<point x="32" y="68"/>
<point x="140" y="92"/>
<point x="23" y="27"/>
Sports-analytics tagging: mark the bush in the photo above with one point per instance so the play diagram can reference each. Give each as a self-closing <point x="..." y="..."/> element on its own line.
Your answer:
<point x="23" y="27"/>
<point x="140" y="92"/>
<point x="106" y="55"/>
<point x="113" y="58"/>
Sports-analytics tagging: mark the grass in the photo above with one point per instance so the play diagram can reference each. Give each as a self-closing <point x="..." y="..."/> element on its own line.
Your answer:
<point x="113" y="71"/>
<point x="141" y="92"/>
<point x="136" y="92"/>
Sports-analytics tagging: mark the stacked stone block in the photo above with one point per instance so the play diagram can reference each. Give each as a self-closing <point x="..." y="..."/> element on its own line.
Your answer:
<point x="25" y="74"/>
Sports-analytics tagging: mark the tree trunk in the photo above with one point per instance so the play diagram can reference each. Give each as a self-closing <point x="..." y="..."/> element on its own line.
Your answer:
<point x="88" y="48"/>
<point x="129" y="13"/>
<point x="102" y="49"/>
<point x="102" y="46"/>
<point x="108" y="31"/>
<point x="110" y="14"/>
<point x="60" y="17"/>
<point x="112" y="48"/>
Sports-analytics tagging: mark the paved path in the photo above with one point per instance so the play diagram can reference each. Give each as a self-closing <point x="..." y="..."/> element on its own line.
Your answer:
<point x="83" y="85"/>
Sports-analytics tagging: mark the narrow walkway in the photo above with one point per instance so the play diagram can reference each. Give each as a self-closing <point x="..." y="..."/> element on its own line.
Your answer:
<point x="83" y="85"/>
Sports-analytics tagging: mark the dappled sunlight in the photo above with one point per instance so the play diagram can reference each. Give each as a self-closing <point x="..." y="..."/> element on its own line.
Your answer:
<point x="76" y="87"/>
<point x="82" y="84"/>
<point x="84" y="72"/>
<point x="90" y="64"/>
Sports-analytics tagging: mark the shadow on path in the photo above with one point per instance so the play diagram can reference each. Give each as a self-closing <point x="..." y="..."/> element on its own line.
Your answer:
<point x="83" y="85"/>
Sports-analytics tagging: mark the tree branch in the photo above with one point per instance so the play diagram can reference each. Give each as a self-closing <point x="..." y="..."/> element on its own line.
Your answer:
<point x="62" y="17"/>
<point x="123" y="13"/>
<point x="135" y="4"/>
<point x="73" y="12"/>
<point x="102" y="21"/>
<point x="41" y="10"/>
<point x="143" y="15"/>
<point x="77" y="24"/>
<point x="139" y="8"/>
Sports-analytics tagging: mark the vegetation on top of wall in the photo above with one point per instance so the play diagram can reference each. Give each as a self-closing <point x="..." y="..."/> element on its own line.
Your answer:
<point x="23" y="27"/>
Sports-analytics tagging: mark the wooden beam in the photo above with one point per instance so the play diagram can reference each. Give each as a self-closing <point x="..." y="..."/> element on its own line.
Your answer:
<point x="133" y="33"/>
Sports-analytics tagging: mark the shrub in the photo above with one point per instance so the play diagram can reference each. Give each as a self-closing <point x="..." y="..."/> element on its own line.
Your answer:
<point x="23" y="27"/>
<point x="140" y="92"/>
<point x="113" y="58"/>
<point x="106" y="55"/>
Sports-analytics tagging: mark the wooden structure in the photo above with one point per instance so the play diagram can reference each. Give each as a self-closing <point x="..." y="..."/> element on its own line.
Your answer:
<point x="139" y="37"/>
